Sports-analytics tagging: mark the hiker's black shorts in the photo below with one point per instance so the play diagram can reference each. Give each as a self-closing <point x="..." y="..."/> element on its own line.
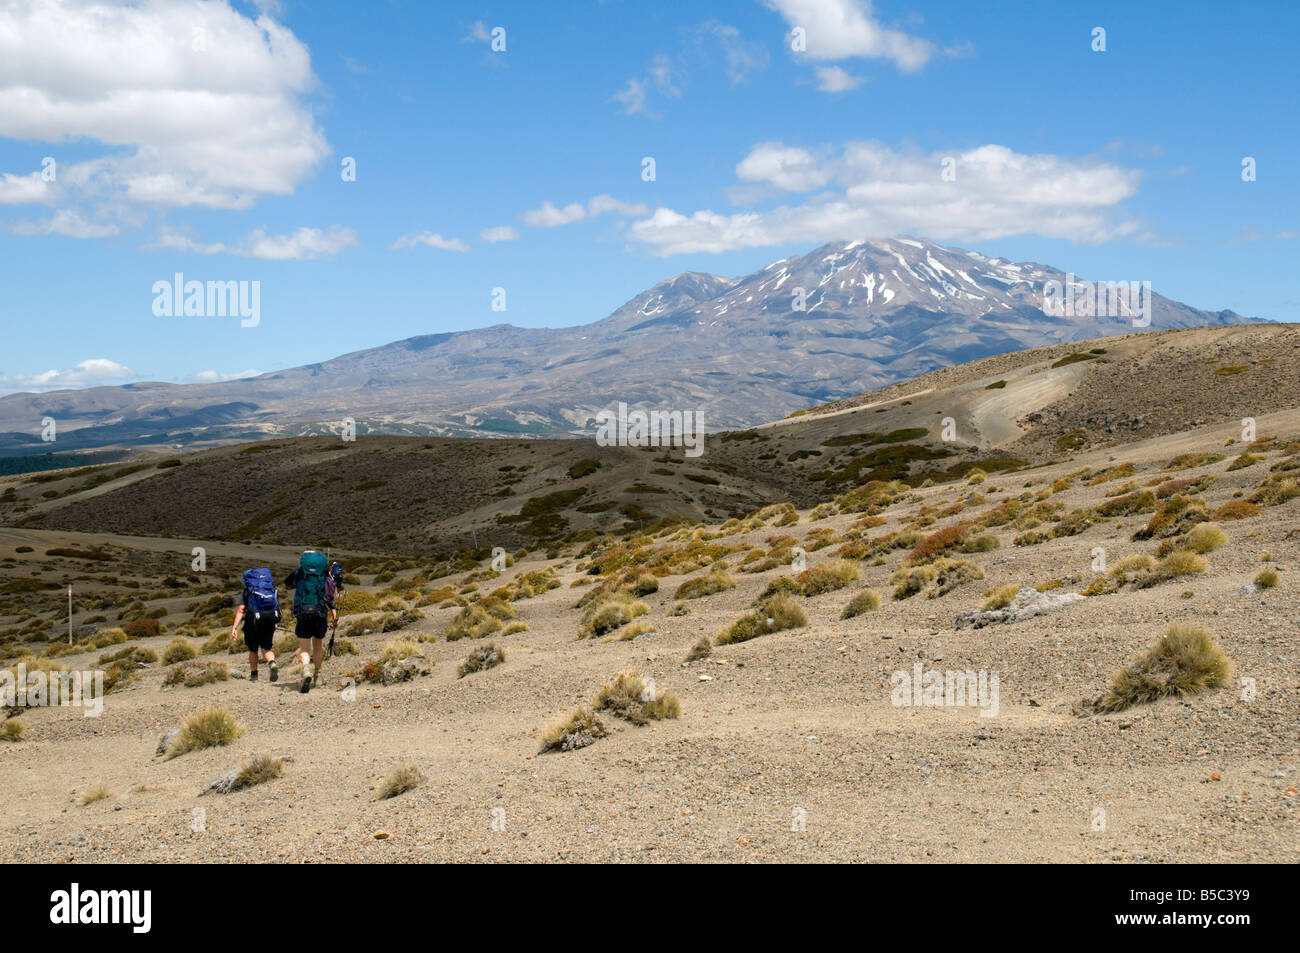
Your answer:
<point x="312" y="626"/>
<point x="259" y="634"/>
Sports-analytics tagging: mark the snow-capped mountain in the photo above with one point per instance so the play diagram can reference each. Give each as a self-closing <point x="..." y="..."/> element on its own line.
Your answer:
<point x="843" y="319"/>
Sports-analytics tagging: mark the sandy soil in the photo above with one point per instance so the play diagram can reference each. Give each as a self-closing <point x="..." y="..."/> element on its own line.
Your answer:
<point x="790" y="750"/>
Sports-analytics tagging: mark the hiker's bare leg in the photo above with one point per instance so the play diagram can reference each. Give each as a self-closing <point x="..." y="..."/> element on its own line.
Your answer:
<point x="252" y="661"/>
<point x="269" y="656"/>
<point x="317" y="652"/>
<point x="304" y="650"/>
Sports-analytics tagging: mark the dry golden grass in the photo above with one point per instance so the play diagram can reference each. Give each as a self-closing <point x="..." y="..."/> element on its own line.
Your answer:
<point x="206" y="728"/>
<point x="1185" y="662"/>
<point x="775" y="614"/>
<point x="98" y="792"/>
<point x="827" y="577"/>
<point x="259" y="770"/>
<point x="1205" y="538"/>
<point x="1265" y="579"/>
<point x="1000" y="597"/>
<point x="635" y="699"/>
<point x="482" y="658"/>
<point x="700" y="650"/>
<point x="715" y="581"/>
<point x="576" y="731"/>
<point x="400" y="781"/>
<point x="11" y="729"/>
<point x="178" y="650"/>
<point x="472" y="622"/>
<point x="864" y="601"/>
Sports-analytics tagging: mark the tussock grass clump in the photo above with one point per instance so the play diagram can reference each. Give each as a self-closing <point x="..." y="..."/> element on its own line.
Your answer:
<point x="634" y="699"/>
<point x="981" y="544"/>
<point x="700" y="650"/>
<point x="472" y="622"/>
<point x="139" y="654"/>
<point x="498" y="608"/>
<point x="400" y="781"/>
<point x="1235" y="510"/>
<point x="1265" y="579"/>
<point x="178" y="650"/>
<point x="192" y="675"/>
<point x="1133" y="565"/>
<point x="864" y="601"/>
<point x="1000" y="597"/>
<point x="515" y="627"/>
<point x="577" y="731"/>
<point x="630" y="632"/>
<point x="98" y="792"/>
<point x="482" y="658"/>
<point x="1188" y="461"/>
<point x="706" y="585"/>
<point x="206" y="728"/>
<point x="1179" y="563"/>
<point x="1275" y="491"/>
<point x="398" y="649"/>
<point x="945" y="575"/>
<point x="615" y="610"/>
<point x="11" y="729"/>
<point x="259" y="770"/>
<point x="1205" y="538"/>
<point x="1100" y="586"/>
<point x="1185" y="662"/>
<point x="775" y="614"/>
<point x="355" y="602"/>
<point x="827" y="577"/>
<point x="1245" y="460"/>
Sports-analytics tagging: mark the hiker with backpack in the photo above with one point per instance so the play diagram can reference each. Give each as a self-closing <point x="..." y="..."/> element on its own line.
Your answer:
<point x="259" y="610"/>
<point x="313" y="607"/>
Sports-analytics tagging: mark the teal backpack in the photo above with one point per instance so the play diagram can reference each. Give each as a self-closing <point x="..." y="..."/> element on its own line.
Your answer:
<point x="309" y="594"/>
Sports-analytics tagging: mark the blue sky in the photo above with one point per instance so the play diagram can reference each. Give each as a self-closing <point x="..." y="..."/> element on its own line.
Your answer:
<point x="207" y="138"/>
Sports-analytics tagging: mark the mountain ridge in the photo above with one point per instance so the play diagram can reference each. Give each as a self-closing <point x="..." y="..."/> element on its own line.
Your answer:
<point x="845" y="318"/>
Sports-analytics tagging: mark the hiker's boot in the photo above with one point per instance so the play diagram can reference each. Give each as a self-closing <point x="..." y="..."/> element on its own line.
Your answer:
<point x="315" y="682"/>
<point x="275" y="672"/>
<point x="252" y="676"/>
<point x="308" y="672"/>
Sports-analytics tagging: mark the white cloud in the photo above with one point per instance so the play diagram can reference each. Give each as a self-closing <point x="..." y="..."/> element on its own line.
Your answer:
<point x="499" y="233"/>
<point x="834" y="79"/>
<point x="632" y="96"/>
<point x="193" y="102"/>
<point x="217" y="377"/>
<point x="478" y="33"/>
<point x="548" y="216"/>
<point x="740" y="57"/>
<point x="301" y="245"/>
<point x="840" y="29"/>
<point x="873" y="191"/>
<point x="788" y="168"/>
<point x="432" y="240"/>
<point x="66" y="222"/>
<point x="23" y="189"/>
<point x="89" y="373"/>
<point x="601" y="204"/>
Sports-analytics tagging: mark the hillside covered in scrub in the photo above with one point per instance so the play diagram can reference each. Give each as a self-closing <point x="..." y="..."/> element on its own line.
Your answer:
<point x="1080" y="652"/>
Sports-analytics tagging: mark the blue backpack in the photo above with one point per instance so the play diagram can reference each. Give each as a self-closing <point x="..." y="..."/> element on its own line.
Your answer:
<point x="260" y="598"/>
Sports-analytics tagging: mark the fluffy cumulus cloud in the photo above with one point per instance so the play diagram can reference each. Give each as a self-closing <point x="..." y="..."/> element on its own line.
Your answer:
<point x="89" y="373"/>
<point x="548" y="216"/>
<point x="841" y="29"/>
<point x="499" y="233"/>
<point x="868" y="190"/>
<point x="303" y="244"/>
<point x="834" y="79"/>
<point x="192" y="102"/>
<point x="68" y="223"/>
<point x="430" y="240"/>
